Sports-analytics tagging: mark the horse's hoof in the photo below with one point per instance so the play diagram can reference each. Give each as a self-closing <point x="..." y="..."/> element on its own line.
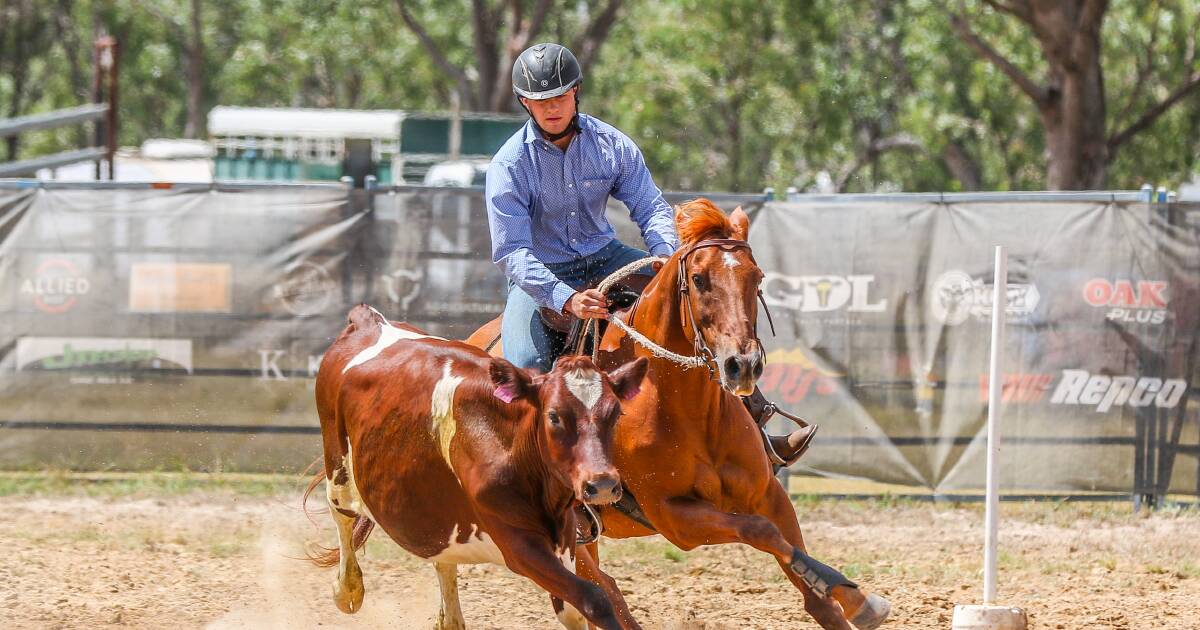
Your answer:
<point x="873" y="613"/>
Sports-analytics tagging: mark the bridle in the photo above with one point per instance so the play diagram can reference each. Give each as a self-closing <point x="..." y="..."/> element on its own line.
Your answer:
<point x="698" y="343"/>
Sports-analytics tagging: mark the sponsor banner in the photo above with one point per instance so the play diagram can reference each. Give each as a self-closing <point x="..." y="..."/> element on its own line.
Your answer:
<point x="822" y="294"/>
<point x="180" y="287"/>
<point x="103" y="353"/>
<point x="58" y="283"/>
<point x="1102" y="392"/>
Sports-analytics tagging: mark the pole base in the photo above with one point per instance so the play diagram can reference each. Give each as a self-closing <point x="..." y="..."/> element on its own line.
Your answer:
<point x="989" y="618"/>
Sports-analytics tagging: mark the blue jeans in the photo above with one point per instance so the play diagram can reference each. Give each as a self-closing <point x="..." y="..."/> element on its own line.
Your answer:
<point x="526" y="341"/>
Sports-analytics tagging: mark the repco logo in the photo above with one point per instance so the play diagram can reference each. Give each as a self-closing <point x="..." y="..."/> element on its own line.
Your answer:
<point x="1144" y="302"/>
<point x="1080" y="387"/>
<point x="818" y="294"/>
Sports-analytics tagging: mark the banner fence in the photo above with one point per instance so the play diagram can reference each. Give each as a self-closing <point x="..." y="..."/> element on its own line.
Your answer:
<point x="164" y="327"/>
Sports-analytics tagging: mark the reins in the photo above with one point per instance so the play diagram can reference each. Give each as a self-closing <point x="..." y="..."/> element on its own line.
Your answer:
<point x="704" y="356"/>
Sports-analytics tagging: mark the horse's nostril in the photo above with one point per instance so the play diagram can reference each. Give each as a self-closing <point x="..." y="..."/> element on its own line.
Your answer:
<point x="758" y="369"/>
<point x="732" y="367"/>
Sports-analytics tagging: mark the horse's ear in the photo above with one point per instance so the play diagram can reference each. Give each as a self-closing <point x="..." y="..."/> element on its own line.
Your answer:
<point x="511" y="381"/>
<point x="740" y="222"/>
<point x="627" y="379"/>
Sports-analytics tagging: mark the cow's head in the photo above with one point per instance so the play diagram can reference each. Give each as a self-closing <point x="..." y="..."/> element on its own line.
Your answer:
<point x="578" y="406"/>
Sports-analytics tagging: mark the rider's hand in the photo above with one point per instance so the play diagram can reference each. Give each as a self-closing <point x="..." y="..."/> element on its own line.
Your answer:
<point x="589" y="304"/>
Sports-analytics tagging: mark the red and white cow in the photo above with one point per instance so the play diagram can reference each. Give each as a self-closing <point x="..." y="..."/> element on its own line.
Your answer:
<point x="464" y="458"/>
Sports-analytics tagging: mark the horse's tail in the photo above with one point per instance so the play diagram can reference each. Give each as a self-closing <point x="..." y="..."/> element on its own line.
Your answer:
<point x="324" y="556"/>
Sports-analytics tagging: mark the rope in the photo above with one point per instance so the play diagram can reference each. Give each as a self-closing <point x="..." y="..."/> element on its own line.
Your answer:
<point x="655" y="349"/>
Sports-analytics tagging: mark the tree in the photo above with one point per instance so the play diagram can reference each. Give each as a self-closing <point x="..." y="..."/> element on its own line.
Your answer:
<point x="26" y="36"/>
<point x="1081" y="139"/>
<point x="500" y="31"/>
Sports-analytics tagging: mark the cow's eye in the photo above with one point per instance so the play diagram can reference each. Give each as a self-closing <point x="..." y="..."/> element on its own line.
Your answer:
<point x="555" y="421"/>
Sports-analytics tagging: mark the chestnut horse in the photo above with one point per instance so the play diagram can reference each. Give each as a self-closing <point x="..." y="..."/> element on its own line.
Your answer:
<point x="686" y="448"/>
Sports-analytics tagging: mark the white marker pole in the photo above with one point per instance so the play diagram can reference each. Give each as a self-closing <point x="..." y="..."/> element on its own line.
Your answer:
<point x="995" y="382"/>
<point x="990" y="616"/>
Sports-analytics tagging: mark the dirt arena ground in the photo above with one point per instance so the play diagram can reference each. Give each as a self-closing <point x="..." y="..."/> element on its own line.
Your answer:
<point x="190" y="552"/>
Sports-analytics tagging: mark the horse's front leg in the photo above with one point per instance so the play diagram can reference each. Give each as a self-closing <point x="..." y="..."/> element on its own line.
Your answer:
<point x="865" y="610"/>
<point x="689" y="523"/>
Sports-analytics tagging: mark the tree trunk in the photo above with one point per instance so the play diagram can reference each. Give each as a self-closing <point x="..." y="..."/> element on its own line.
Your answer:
<point x="194" y="54"/>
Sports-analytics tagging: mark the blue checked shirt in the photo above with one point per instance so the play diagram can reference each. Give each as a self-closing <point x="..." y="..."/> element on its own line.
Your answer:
<point x="547" y="206"/>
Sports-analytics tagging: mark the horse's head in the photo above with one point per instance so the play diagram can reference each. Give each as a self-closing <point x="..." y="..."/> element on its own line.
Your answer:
<point x="578" y="406"/>
<point x="719" y="282"/>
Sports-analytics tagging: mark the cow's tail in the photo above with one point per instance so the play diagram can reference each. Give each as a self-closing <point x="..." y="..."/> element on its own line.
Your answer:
<point x="324" y="556"/>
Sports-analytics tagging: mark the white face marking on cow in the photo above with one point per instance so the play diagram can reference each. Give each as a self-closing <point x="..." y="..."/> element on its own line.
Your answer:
<point x="586" y="386"/>
<point x="730" y="261"/>
<point x="388" y="335"/>
<point x="478" y="549"/>
<point x="441" y="411"/>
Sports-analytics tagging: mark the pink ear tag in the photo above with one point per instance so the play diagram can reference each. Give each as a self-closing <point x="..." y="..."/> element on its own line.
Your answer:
<point x="505" y="393"/>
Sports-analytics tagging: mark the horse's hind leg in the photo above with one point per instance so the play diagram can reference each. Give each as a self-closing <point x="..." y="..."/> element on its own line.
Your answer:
<point x="450" y="616"/>
<point x="348" y="589"/>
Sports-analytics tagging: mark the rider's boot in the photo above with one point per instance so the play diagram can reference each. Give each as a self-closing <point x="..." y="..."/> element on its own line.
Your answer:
<point x="783" y="450"/>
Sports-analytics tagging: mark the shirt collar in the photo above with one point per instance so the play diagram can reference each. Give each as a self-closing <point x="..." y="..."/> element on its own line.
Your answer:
<point x="532" y="135"/>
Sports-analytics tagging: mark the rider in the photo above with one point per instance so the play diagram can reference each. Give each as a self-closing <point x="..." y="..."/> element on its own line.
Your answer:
<point x="547" y="189"/>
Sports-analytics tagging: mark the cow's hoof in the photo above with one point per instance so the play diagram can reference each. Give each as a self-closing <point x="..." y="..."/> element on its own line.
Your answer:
<point x="873" y="613"/>
<point x="348" y="601"/>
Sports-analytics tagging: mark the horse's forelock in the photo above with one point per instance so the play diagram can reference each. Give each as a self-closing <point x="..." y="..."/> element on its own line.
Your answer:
<point x="699" y="219"/>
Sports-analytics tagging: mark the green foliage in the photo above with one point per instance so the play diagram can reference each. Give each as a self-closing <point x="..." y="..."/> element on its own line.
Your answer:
<point x="860" y="95"/>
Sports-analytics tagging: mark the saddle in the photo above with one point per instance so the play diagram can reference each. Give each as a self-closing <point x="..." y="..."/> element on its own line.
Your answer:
<point x="567" y="330"/>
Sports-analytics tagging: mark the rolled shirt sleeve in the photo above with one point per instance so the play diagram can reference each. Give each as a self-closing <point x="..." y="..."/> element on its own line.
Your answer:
<point x="635" y="188"/>
<point x="512" y="248"/>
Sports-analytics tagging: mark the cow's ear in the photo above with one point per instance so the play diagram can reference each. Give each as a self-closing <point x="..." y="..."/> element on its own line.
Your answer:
<point x="740" y="221"/>
<point x="511" y="381"/>
<point x="627" y="379"/>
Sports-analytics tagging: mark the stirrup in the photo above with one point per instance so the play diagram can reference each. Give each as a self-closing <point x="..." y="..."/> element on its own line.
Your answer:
<point x="773" y="455"/>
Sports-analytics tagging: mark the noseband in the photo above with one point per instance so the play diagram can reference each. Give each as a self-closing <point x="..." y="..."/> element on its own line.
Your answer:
<point x="701" y="347"/>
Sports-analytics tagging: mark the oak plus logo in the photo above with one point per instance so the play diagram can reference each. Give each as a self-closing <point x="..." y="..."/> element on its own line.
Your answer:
<point x="1126" y="301"/>
<point x="820" y="294"/>
<point x="958" y="297"/>
<point x="1080" y="387"/>
<point x="56" y="286"/>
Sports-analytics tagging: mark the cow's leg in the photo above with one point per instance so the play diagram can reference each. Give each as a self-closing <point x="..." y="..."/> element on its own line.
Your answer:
<point x="587" y="566"/>
<point x="450" y="616"/>
<point x="568" y="615"/>
<point x="530" y="555"/>
<point x="348" y="589"/>
<point x="864" y="610"/>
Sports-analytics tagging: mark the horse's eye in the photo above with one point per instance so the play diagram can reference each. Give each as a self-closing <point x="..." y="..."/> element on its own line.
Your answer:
<point x="698" y="280"/>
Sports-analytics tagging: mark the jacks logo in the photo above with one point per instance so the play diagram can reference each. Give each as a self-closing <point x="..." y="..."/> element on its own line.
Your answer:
<point x="790" y="377"/>
<point x="57" y="286"/>
<point x="1080" y="387"/>
<point x="957" y="296"/>
<point x="102" y="353"/>
<point x="1126" y="301"/>
<point x="819" y="294"/>
<point x="1018" y="388"/>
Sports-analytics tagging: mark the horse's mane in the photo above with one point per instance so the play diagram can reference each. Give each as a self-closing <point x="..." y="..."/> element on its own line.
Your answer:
<point x="699" y="219"/>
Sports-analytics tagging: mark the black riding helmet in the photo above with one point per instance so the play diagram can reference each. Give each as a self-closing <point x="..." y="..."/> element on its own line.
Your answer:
<point x="545" y="71"/>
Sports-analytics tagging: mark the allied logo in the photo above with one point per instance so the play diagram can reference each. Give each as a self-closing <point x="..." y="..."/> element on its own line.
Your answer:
<point x="1080" y="387"/>
<point x="957" y="297"/>
<point x="103" y="353"/>
<point x="818" y="294"/>
<point x="56" y="287"/>
<point x="1126" y="301"/>
<point x="307" y="290"/>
